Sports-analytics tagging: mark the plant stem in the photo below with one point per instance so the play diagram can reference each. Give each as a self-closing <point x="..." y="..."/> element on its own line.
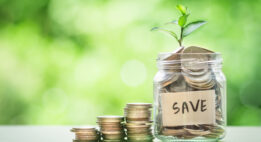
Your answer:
<point x="181" y="37"/>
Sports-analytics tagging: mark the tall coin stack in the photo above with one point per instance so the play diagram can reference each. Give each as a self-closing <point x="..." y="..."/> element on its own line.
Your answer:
<point x="138" y="122"/>
<point x="111" y="128"/>
<point x="86" y="134"/>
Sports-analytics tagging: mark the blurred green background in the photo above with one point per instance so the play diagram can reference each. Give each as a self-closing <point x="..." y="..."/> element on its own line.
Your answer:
<point x="67" y="61"/>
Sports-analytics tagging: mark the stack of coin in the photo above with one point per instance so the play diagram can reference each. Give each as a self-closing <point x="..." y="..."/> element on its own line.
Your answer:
<point x="138" y="122"/>
<point x="111" y="128"/>
<point x="85" y="134"/>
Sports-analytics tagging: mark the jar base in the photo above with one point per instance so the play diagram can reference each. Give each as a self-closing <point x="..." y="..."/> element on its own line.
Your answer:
<point x="197" y="139"/>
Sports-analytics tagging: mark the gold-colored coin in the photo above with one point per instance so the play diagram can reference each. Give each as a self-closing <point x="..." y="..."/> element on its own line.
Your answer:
<point x="197" y="132"/>
<point x="110" y="118"/>
<point x="173" y="132"/>
<point x="113" y="136"/>
<point x="85" y="140"/>
<point x="174" y="55"/>
<point x="166" y="77"/>
<point x="85" y="134"/>
<point x="139" y="105"/>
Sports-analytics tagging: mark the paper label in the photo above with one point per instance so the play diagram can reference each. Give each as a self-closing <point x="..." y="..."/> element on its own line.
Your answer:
<point x="188" y="108"/>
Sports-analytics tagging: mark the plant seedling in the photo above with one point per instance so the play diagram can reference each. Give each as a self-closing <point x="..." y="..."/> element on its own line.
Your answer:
<point x="185" y="29"/>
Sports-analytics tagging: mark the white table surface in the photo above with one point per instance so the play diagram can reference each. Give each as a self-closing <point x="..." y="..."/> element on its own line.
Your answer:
<point x="63" y="134"/>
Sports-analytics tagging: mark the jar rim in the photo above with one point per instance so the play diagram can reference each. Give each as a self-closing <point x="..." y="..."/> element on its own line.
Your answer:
<point x="165" y="61"/>
<point x="216" y="55"/>
<point x="164" y="53"/>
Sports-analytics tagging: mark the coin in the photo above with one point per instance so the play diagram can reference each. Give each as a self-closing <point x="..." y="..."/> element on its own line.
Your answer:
<point x="174" y="55"/>
<point x="195" y="49"/>
<point x="113" y="136"/>
<point x="112" y="140"/>
<point x="139" y="105"/>
<point x="195" y="58"/>
<point x="178" y="86"/>
<point x="110" y="118"/>
<point x="111" y="127"/>
<point x="165" y="77"/>
<point x="138" y="121"/>
<point x="140" y="137"/>
<point x="168" y="75"/>
<point x="199" y="132"/>
<point x="195" y="68"/>
<point x="173" y="132"/>
<point x="85" y="134"/>
<point x="85" y="140"/>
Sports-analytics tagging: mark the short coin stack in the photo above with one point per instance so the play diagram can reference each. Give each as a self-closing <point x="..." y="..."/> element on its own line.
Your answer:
<point x="138" y="122"/>
<point x="85" y="134"/>
<point x="111" y="128"/>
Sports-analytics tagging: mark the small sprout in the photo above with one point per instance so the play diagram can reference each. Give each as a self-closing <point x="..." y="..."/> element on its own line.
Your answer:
<point x="166" y="31"/>
<point x="192" y="27"/>
<point x="182" y="9"/>
<point x="185" y="29"/>
<point x="182" y="20"/>
<point x="173" y="22"/>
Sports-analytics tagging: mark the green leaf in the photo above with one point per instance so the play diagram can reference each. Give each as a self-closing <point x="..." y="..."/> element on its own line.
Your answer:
<point x="173" y="22"/>
<point x="182" y="20"/>
<point x="182" y="9"/>
<point x="188" y="29"/>
<point x="165" y="31"/>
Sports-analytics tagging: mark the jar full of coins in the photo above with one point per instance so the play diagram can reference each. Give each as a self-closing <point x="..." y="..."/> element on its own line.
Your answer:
<point x="189" y="96"/>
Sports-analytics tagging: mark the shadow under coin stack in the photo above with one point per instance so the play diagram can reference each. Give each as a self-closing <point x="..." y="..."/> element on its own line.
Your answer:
<point x="111" y="128"/>
<point x="86" y="134"/>
<point x="138" y="122"/>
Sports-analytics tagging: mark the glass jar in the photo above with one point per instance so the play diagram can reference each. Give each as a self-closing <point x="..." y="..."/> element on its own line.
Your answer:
<point x="189" y="97"/>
